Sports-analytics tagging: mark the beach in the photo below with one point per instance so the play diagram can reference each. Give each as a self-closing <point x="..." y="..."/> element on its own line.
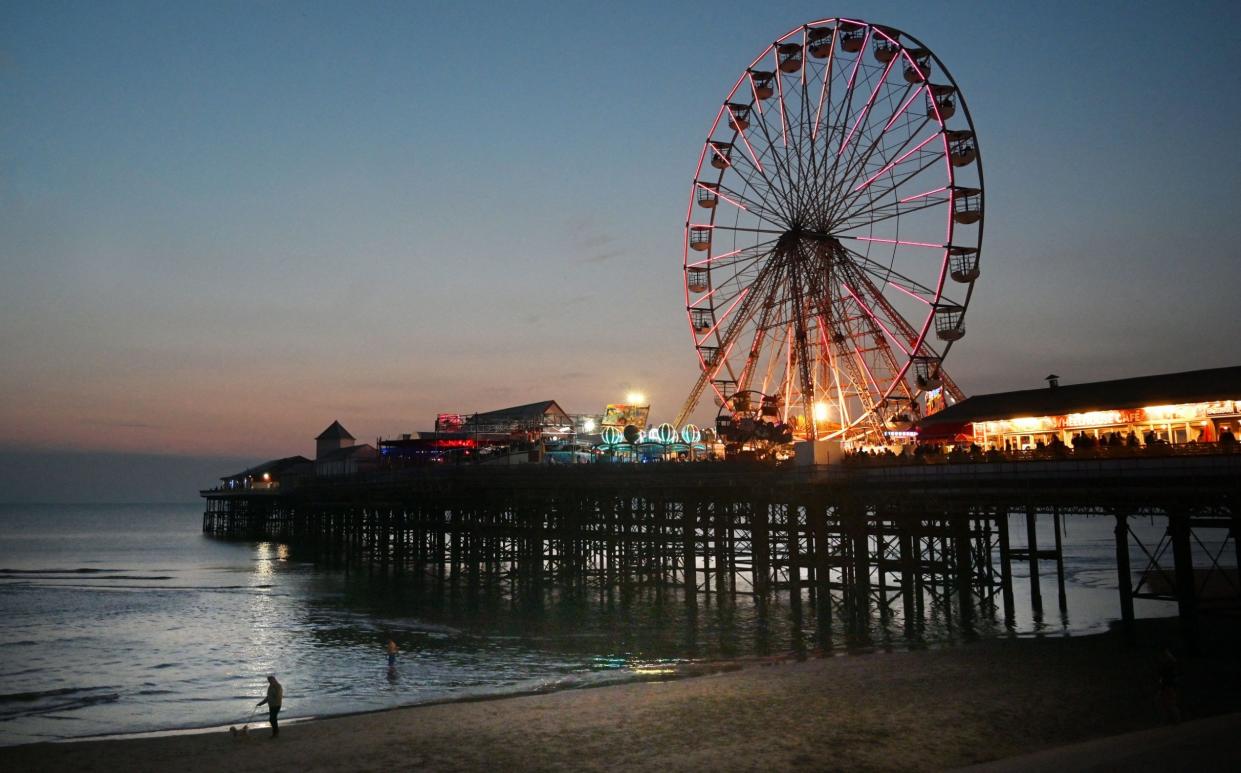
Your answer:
<point x="916" y="710"/>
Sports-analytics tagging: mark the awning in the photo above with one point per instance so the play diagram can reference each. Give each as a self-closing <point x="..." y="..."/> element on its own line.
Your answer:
<point x="947" y="430"/>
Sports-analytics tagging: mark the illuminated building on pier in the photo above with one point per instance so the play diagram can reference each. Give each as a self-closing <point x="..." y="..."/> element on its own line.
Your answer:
<point x="1176" y="408"/>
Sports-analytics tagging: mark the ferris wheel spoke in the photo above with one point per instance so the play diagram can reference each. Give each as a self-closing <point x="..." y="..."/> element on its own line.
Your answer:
<point x="860" y="200"/>
<point x="741" y="251"/>
<point x="886" y="274"/>
<point x="899" y="242"/>
<point x="872" y="216"/>
<point x="741" y="229"/>
<point x="780" y="168"/>
<point x="899" y="160"/>
<point x="858" y="161"/>
<point x="800" y="146"/>
<point x="846" y="105"/>
<point x="753" y="159"/>
<point x="870" y="101"/>
<point x="865" y="307"/>
<point x="826" y="91"/>
<point x="784" y="121"/>
<point x="857" y="191"/>
<point x="915" y="336"/>
<point x="760" y="184"/>
<point x="743" y="202"/>
<point x="773" y="175"/>
<point x="719" y="319"/>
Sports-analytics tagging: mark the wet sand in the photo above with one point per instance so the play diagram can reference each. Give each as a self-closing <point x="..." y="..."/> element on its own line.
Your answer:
<point x="922" y="710"/>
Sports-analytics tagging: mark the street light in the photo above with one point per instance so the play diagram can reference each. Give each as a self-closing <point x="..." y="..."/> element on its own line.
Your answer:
<point x="636" y="398"/>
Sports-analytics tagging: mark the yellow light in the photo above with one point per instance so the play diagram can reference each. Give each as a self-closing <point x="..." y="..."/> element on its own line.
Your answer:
<point x="636" y="398"/>
<point x="820" y="411"/>
<point x="267" y="476"/>
<point x="1030" y="423"/>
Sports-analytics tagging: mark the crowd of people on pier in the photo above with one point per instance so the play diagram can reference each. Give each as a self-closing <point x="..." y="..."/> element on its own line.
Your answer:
<point x="1080" y="446"/>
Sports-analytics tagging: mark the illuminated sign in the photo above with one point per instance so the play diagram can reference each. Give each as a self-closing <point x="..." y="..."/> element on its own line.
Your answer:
<point x="623" y="414"/>
<point x="449" y="422"/>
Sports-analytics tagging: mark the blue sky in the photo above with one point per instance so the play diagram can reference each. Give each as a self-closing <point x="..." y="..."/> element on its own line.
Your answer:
<point x="224" y="225"/>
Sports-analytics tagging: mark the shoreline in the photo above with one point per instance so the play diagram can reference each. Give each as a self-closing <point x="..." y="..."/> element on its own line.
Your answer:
<point x="677" y="672"/>
<point x="911" y="710"/>
<point x="681" y="671"/>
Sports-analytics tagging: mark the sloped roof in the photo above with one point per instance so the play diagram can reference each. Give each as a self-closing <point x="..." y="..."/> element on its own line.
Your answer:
<point x="335" y="432"/>
<point x="1167" y="389"/>
<point x="275" y="467"/>
<point x="520" y="413"/>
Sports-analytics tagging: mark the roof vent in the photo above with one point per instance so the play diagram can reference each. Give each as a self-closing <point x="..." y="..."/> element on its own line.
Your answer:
<point x="1053" y="381"/>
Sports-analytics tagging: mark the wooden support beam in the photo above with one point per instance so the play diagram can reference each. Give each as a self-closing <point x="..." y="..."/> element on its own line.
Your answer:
<point x="760" y="513"/>
<point x="1186" y="593"/>
<point x="1058" y="526"/>
<point x="1123" y="575"/>
<point x="689" y="549"/>
<point x="1036" y="594"/>
<point x="1006" y="565"/>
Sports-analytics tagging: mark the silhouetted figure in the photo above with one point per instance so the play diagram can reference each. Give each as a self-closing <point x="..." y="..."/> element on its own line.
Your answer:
<point x="1132" y="439"/>
<point x="1227" y="440"/>
<point x="274" y="699"/>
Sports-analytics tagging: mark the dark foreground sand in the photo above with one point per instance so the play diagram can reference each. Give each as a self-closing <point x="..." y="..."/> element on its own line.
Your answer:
<point x="925" y="710"/>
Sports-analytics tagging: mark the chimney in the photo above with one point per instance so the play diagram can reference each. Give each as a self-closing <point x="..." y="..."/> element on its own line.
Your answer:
<point x="1053" y="381"/>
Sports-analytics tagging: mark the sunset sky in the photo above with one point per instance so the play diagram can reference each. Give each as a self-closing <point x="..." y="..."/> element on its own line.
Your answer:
<point x="224" y="225"/>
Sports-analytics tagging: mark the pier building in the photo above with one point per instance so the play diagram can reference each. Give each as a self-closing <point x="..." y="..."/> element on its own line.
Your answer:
<point x="336" y="454"/>
<point x="1200" y="406"/>
<point x="269" y="475"/>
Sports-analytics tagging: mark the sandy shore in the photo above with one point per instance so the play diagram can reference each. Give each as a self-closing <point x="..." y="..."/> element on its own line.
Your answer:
<point x="926" y="710"/>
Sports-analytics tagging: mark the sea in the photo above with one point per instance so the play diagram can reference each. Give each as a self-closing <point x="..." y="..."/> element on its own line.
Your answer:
<point x="125" y="619"/>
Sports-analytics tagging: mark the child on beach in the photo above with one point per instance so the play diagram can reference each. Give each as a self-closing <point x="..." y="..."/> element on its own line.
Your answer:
<point x="391" y="654"/>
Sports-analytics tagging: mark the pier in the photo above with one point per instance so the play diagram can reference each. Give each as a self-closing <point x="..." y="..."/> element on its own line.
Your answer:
<point x="852" y="540"/>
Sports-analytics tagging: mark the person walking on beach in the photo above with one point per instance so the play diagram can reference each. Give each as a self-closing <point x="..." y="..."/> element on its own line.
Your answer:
<point x="391" y="653"/>
<point x="274" y="699"/>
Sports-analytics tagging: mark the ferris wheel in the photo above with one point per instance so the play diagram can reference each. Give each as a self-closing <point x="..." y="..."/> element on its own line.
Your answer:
<point x="834" y="230"/>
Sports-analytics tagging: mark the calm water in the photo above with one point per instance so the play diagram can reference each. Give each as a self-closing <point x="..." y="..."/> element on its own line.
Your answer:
<point x="124" y="618"/>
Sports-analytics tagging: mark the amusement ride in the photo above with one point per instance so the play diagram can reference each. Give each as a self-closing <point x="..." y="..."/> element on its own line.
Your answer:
<point x="832" y="239"/>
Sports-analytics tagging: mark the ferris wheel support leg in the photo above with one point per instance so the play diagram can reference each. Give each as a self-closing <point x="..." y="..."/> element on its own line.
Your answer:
<point x="695" y="395"/>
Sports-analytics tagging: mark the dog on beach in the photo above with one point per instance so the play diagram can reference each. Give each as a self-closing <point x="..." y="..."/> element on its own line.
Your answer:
<point x="240" y="733"/>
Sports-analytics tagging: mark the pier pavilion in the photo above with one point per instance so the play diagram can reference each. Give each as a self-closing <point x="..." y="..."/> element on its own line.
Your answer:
<point x="1200" y="406"/>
